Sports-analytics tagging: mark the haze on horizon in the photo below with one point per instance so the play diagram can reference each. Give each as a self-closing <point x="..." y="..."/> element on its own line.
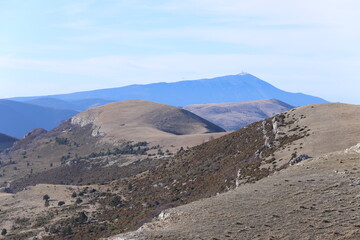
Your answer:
<point x="50" y="47"/>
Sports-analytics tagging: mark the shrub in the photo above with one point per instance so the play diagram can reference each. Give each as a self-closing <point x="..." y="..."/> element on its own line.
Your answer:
<point x="61" y="141"/>
<point x="67" y="231"/>
<point x="46" y="197"/>
<point x="78" y="201"/>
<point x="82" y="218"/>
<point x="116" y="201"/>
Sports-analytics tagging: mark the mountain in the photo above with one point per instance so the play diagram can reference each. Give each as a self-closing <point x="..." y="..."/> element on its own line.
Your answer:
<point x="6" y="141"/>
<point x="284" y="169"/>
<point x="17" y="118"/>
<point x="84" y="104"/>
<point x="233" y="116"/>
<point x="77" y="105"/>
<point x="130" y="136"/>
<point x="233" y="88"/>
<point x="140" y="120"/>
<point x="52" y="103"/>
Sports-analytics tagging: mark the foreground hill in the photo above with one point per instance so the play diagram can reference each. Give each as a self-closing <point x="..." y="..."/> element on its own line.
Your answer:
<point x="233" y="88"/>
<point x="6" y="141"/>
<point x="316" y="199"/>
<point x="17" y="119"/>
<point x="233" y="116"/>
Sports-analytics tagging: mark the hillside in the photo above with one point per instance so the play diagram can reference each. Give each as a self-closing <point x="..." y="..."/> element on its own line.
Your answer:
<point x="312" y="132"/>
<point x="6" y="141"/>
<point x="261" y="156"/>
<point x="17" y="119"/>
<point x="233" y="116"/>
<point x="232" y="88"/>
<point x="126" y="135"/>
<point x="317" y="199"/>
<point x="143" y="120"/>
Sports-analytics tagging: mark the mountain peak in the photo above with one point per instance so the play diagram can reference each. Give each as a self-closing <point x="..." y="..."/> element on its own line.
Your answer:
<point x="232" y="88"/>
<point x="243" y="73"/>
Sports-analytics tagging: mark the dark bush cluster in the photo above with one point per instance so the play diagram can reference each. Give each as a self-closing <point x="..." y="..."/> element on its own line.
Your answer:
<point x="62" y="141"/>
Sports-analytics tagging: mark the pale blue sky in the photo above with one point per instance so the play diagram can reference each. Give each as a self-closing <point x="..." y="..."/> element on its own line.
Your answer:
<point x="309" y="46"/>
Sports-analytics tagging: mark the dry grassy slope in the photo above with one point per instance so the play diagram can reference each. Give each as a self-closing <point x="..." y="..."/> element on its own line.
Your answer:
<point x="315" y="199"/>
<point x="140" y="120"/>
<point x="40" y="152"/>
<point x="233" y="116"/>
<point x="25" y="215"/>
<point x="332" y="127"/>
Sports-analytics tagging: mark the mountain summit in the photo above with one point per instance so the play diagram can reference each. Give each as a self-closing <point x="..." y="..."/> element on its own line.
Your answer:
<point x="232" y="88"/>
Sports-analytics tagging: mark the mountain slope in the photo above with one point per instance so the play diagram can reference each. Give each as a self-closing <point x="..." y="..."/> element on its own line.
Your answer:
<point x="17" y="118"/>
<point x="6" y="141"/>
<point x="233" y="88"/>
<point x="53" y="103"/>
<point x="317" y="199"/>
<point x="78" y="105"/>
<point x="233" y="116"/>
<point x="246" y="156"/>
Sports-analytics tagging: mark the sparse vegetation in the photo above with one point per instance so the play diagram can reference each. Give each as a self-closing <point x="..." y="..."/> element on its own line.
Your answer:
<point x="62" y="141"/>
<point x="46" y="197"/>
<point x="78" y="201"/>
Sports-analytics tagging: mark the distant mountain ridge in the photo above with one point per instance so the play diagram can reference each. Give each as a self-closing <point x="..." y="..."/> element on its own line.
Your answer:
<point x="233" y="116"/>
<point x="232" y="88"/>
<point x="6" y="141"/>
<point x="77" y="105"/>
<point x="17" y="119"/>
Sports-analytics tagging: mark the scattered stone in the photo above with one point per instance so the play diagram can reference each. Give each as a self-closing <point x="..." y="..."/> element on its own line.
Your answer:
<point x="298" y="159"/>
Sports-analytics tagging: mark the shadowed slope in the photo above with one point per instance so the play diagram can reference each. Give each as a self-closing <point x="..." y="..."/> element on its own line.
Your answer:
<point x="18" y="118"/>
<point x="6" y="141"/>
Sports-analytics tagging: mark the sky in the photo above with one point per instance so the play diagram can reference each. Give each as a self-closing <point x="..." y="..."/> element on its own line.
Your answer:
<point x="309" y="46"/>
